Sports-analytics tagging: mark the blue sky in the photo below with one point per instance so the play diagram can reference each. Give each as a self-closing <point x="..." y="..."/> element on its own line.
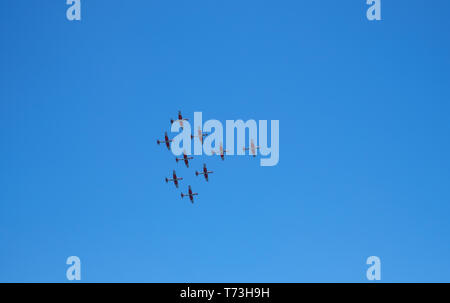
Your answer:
<point x="363" y="110"/>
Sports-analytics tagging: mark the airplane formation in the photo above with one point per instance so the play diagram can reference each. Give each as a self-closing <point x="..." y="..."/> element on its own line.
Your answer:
<point x="205" y="172"/>
<point x="175" y="179"/>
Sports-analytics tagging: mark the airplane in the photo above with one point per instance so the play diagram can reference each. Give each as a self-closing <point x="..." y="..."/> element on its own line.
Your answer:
<point x="200" y="135"/>
<point x="166" y="140"/>
<point x="190" y="194"/>
<point x="205" y="172"/>
<point x="174" y="179"/>
<point x="180" y="118"/>
<point x="221" y="151"/>
<point x="252" y="148"/>
<point x="185" y="159"/>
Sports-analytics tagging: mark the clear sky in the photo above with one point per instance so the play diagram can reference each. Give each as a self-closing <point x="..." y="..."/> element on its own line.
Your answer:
<point x="364" y="140"/>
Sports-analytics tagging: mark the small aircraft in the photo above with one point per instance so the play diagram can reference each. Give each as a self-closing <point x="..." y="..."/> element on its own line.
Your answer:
<point x="221" y="151"/>
<point x="174" y="179"/>
<point x="200" y="135"/>
<point x="190" y="194"/>
<point x="252" y="148"/>
<point x="205" y="172"/>
<point x="180" y="118"/>
<point x="166" y="140"/>
<point x="185" y="159"/>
